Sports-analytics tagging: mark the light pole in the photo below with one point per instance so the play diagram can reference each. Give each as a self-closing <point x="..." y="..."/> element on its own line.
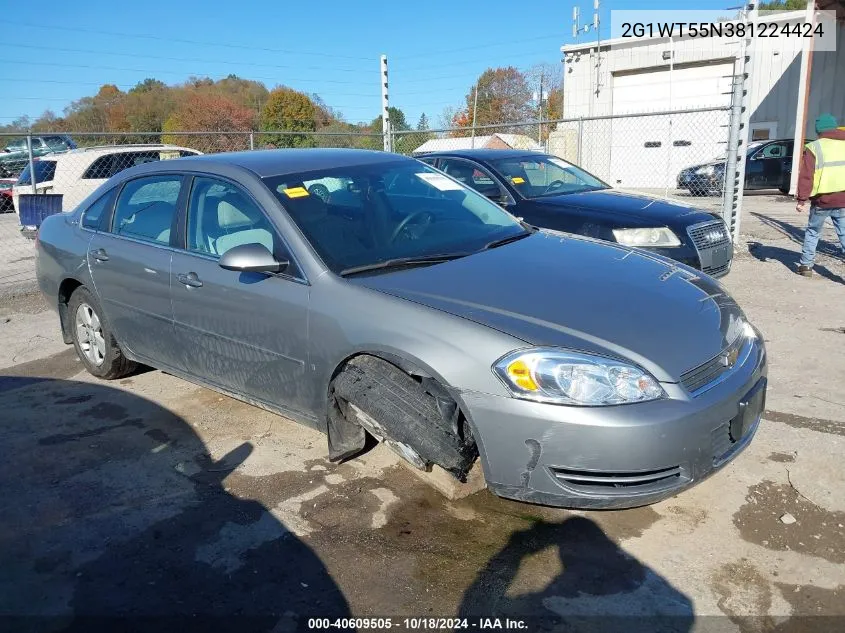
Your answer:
<point x="474" y="111"/>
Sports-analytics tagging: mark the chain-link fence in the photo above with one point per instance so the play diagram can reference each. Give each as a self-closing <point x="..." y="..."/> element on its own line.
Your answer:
<point x="679" y="153"/>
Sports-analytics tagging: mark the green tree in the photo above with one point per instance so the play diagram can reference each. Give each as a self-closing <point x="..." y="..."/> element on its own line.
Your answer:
<point x="422" y="124"/>
<point x="288" y="110"/>
<point x="397" y="121"/>
<point x="783" y="5"/>
<point x="148" y="85"/>
<point x="149" y="104"/>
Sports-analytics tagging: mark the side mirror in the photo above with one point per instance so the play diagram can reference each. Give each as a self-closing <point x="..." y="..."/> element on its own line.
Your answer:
<point x="252" y="258"/>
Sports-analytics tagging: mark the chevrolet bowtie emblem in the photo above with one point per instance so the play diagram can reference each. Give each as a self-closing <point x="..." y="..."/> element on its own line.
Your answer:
<point x="729" y="360"/>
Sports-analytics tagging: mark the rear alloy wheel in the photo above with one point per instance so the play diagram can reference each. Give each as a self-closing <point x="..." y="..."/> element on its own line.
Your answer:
<point x="89" y="333"/>
<point x="95" y="345"/>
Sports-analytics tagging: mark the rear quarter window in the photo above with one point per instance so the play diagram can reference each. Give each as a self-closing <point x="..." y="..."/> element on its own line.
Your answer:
<point x="92" y="217"/>
<point x="45" y="170"/>
<point x="100" y="168"/>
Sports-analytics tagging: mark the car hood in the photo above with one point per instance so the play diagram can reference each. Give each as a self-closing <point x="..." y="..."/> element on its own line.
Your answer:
<point x="619" y="202"/>
<point x="560" y="290"/>
<point x="715" y="162"/>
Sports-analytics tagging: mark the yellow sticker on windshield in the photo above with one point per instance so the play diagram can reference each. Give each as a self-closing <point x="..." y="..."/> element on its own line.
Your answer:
<point x="296" y="192"/>
<point x="517" y="180"/>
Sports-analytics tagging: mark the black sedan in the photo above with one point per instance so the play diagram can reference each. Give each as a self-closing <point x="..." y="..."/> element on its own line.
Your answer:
<point x="768" y="166"/>
<point x="552" y="193"/>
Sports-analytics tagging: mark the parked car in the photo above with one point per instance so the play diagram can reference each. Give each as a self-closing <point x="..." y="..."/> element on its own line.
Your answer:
<point x="77" y="173"/>
<point x="6" y="202"/>
<point x="552" y="193"/>
<point x="584" y="373"/>
<point x="768" y="166"/>
<point x="15" y="157"/>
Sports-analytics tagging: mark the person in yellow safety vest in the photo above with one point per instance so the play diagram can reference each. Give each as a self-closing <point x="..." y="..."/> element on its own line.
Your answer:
<point x="821" y="180"/>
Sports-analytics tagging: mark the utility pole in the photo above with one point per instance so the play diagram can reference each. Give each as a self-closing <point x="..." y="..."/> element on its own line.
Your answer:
<point x="669" y="148"/>
<point x="385" y="103"/>
<point x="734" y="186"/>
<point x="596" y="24"/>
<point x="474" y="111"/>
<point x="540" y="124"/>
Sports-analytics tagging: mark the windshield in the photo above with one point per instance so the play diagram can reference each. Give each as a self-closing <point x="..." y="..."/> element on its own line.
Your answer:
<point x="45" y="170"/>
<point x="367" y="214"/>
<point x="538" y="176"/>
<point x="752" y="147"/>
<point x="17" y="146"/>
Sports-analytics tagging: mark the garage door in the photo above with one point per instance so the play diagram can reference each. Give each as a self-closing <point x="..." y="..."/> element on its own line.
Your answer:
<point x="649" y="151"/>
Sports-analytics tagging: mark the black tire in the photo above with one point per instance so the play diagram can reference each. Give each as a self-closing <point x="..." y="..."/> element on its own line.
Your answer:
<point x="407" y="412"/>
<point x="106" y="360"/>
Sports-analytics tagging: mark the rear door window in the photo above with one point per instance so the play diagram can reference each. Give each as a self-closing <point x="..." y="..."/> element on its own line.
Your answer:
<point x="146" y="207"/>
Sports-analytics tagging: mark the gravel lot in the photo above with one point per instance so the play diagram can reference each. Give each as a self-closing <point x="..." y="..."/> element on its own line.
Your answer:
<point x="154" y="498"/>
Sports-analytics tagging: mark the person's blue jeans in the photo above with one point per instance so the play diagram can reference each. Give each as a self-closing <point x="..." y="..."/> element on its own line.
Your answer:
<point x="814" y="227"/>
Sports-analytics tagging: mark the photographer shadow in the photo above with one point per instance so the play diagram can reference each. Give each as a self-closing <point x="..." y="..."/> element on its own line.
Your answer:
<point x="147" y="536"/>
<point x="599" y="588"/>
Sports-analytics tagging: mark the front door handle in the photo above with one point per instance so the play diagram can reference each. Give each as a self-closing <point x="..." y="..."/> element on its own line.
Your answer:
<point x="189" y="279"/>
<point x="100" y="255"/>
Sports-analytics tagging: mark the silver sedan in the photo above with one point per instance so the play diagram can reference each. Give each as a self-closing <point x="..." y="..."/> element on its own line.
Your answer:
<point x="366" y="293"/>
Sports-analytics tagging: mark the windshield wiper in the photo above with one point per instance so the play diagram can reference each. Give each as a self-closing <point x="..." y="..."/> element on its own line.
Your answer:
<point x="402" y="262"/>
<point x="506" y="240"/>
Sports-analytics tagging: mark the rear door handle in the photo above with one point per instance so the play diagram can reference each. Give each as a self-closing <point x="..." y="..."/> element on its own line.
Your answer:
<point x="100" y="255"/>
<point x="189" y="279"/>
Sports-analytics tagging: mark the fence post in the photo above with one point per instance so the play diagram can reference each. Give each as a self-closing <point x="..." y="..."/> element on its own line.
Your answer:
<point x="31" y="160"/>
<point x="252" y="140"/>
<point x="580" y="138"/>
<point x="385" y="112"/>
<point x="734" y="187"/>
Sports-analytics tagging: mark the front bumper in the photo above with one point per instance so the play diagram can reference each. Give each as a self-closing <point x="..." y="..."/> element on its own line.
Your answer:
<point x="701" y="184"/>
<point x="702" y="261"/>
<point x="614" y="457"/>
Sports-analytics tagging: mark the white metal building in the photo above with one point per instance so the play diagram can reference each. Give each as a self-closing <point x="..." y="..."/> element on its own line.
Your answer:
<point x="641" y="75"/>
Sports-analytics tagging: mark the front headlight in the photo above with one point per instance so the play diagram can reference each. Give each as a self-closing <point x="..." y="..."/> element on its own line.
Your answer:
<point x="661" y="236"/>
<point x="707" y="170"/>
<point x="575" y="378"/>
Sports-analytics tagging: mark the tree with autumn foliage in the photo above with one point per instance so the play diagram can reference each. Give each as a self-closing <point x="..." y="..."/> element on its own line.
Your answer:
<point x="504" y="96"/>
<point x="292" y="111"/>
<point x="200" y="111"/>
<point x="104" y="112"/>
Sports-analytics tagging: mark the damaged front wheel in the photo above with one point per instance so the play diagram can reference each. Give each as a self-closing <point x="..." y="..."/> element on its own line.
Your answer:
<point x="415" y="416"/>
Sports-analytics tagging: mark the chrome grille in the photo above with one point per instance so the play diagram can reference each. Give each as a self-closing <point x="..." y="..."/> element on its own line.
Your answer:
<point x="619" y="482"/>
<point x="704" y="374"/>
<point x="709" y="234"/>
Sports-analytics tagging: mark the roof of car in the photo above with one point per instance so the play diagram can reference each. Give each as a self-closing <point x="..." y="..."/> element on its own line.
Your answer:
<point x="99" y="150"/>
<point x="277" y="162"/>
<point x="485" y="154"/>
